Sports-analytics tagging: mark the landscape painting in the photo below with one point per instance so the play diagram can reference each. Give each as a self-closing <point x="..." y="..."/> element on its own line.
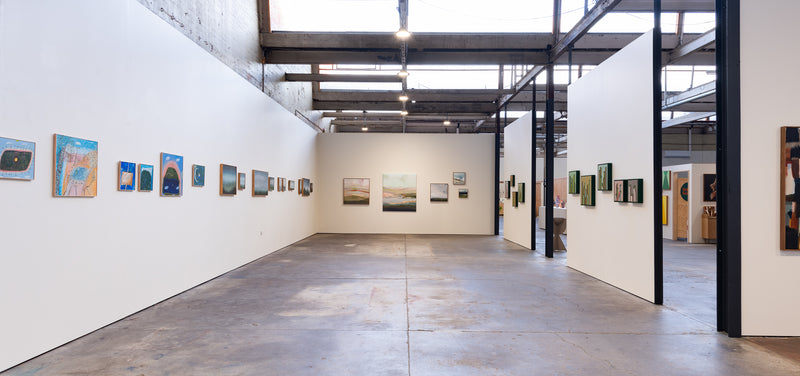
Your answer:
<point x="145" y="177"/>
<point x="291" y="185"/>
<point x="171" y="175"/>
<point x="439" y="192"/>
<point x="400" y="192"/>
<point x="271" y="183"/>
<point x="620" y="191"/>
<point x="227" y="180"/>
<point x="355" y="191"/>
<point x="635" y="191"/>
<point x="260" y="183"/>
<point x="464" y="193"/>
<point x="574" y="182"/>
<point x="198" y="175"/>
<point x="789" y="184"/>
<point x="126" y="179"/>
<point x="307" y="187"/>
<point x="75" y="167"/>
<point x="604" y="175"/>
<point x="242" y="180"/>
<point x="587" y="190"/>
<point x="459" y="178"/>
<point x="17" y="159"/>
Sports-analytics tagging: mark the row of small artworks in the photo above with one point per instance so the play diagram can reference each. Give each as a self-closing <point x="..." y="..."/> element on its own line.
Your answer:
<point x="75" y="171"/>
<point x="517" y="197"/>
<point x="625" y="190"/>
<point x="399" y="191"/>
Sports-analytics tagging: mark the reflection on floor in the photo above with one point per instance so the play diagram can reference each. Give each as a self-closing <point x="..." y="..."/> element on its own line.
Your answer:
<point x="408" y="305"/>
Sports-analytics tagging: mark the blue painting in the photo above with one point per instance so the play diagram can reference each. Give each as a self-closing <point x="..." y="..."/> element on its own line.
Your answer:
<point x="145" y="177"/>
<point x="171" y="175"/>
<point x="17" y="159"/>
<point x="198" y="175"/>
<point x="127" y="176"/>
<point x="75" y="164"/>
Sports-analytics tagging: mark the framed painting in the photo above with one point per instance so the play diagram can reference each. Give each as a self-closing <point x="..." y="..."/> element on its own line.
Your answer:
<point x="620" y="191"/>
<point x="789" y="187"/>
<point x="271" y="183"/>
<point x="283" y="184"/>
<point x="310" y="187"/>
<point x="521" y="190"/>
<point x="664" y="201"/>
<point x="514" y="199"/>
<point x="400" y="192"/>
<point x="17" y="159"/>
<point x="604" y="174"/>
<point x="198" y="175"/>
<point x="171" y="175"/>
<point x="74" y="167"/>
<point x="709" y="187"/>
<point x="291" y="185"/>
<point x="126" y="177"/>
<point x="439" y="192"/>
<point x="574" y="185"/>
<point x="307" y="187"/>
<point x="459" y="178"/>
<point x="508" y="189"/>
<point x="145" y="177"/>
<point x="463" y="193"/>
<point x="513" y="180"/>
<point x="260" y="183"/>
<point x="300" y="186"/>
<point x="355" y="191"/>
<point x="241" y="181"/>
<point x="666" y="179"/>
<point x="587" y="190"/>
<point x="227" y="180"/>
<point x="635" y="194"/>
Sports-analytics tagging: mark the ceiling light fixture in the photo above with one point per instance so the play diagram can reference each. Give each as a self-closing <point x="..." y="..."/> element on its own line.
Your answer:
<point x="402" y="33"/>
<point x="364" y="129"/>
<point x="402" y="74"/>
<point x="446" y="122"/>
<point x="403" y="113"/>
<point x="403" y="97"/>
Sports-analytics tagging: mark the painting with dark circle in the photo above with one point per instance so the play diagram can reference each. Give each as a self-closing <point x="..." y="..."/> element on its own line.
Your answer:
<point x="171" y="175"/>
<point x="145" y="178"/>
<point x="17" y="159"/>
<point x="790" y="188"/>
<point x="227" y="180"/>
<point x="198" y="175"/>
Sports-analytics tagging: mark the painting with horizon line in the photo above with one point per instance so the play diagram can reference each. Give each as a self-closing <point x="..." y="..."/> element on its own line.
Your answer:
<point x="126" y="177"/>
<point x="604" y="177"/>
<point x="260" y="183"/>
<point x="171" y="175"/>
<point x="227" y="180"/>
<point x="291" y="185"/>
<point x="306" y="187"/>
<point x="439" y="192"/>
<point x="242" y="181"/>
<point x="198" y="175"/>
<point x="464" y="193"/>
<point x="355" y="191"/>
<point x="17" y="159"/>
<point x="587" y="190"/>
<point x="459" y="178"/>
<point x="145" y="177"/>
<point x="574" y="182"/>
<point x="400" y="192"/>
<point x="271" y="183"/>
<point x="74" y="167"/>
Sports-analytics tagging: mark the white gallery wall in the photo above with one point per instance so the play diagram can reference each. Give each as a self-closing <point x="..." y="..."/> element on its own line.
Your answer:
<point x="610" y="120"/>
<point x="113" y="72"/>
<point x="432" y="157"/>
<point x="695" y="173"/>
<point x="769" y="276"/>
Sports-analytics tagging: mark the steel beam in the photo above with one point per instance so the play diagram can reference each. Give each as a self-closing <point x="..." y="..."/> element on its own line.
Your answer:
<point x="306" y="77"/>
<point x="697" y="44"/>
<point x="582" y="27"/>
<point x="686" y="119"/>
<point x="549" y="163"/>
<point x="690" y="95"/>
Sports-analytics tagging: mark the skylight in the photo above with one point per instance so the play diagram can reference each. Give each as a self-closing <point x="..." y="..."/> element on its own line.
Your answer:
<point x="334" y="15"/>
<point x="480" y="16"/>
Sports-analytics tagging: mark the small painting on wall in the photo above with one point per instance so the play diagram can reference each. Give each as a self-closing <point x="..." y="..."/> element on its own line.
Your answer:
<point x="587" y="190"/>
<point x="789" y="185"/>
<point x="513" y="180"/>
<point x="306" y="187"/>
<point x="126" y="179"/>
<point x="145" y="177"/>
<point x="260" y="183"/>
<point x="227" y="180"/>
<point x="514" y="199"/>
<point x="709" y="187"/>
<point x="620" y="191"/>
<point x="198" y="175"/>
<point x="439" y="192"/>
<point x="355" y="191"/>
<point x="459" y="178"/>
<point x="17" y="159"/>
<point x="521" y="190"/>
<point x="400" y="192"/>
<point x="463" y="193"/>
<point x="291" y="185"/>
<point x="664" y="201"/>
<point x="242" y="180"/>
<point x="604" y="177"/>
<point x="74" y="167"/>
<point x="271" y="183"/>
<point x="574" y="186"/>
<point x="300" y="186"/>
<point x="508" y="189"/>
<point x="171" y="175"/>
<point x="635" y="194"/>
<point x="666" y="179"/>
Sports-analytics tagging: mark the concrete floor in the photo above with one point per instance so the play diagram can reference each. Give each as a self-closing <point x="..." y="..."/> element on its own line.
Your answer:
<point x="416" y="305"/>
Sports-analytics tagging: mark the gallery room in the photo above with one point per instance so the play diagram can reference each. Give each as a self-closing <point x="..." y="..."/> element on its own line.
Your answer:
<point x="398" y="187"/>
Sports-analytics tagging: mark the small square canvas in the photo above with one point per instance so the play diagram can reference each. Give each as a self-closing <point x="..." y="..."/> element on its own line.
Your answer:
<point x="463" y="193"/>
<point x="666" y="179"/>
<point x="521" y="190"/>
<point x="709" y="187"/>
<point x="171" y="175"/>
<point x="198" y="175"/>
<point x="145" y="177"/>
<point x="574" y="182"/>
<point x="635" y="194"/>
<point x="242" y="181"/>
<point x="620" y="191"/>
<point x="459" y="178"/>
<point x="604" y="175"/>
<point x="400" y="192"/>
<point x="271" y="183"/>
<point x="74" y="167"/>
<point x="514" y="199"/>
<point x="355" y="191"/>
<point x="227" y="180"/>
<point x="291" y="185"/>
<point x="587" y="190"/>
<point x="17" y="159"/>
<point x="126" y="179"/>
<point x="439" y="192"/>
<point x="260" y="183"/>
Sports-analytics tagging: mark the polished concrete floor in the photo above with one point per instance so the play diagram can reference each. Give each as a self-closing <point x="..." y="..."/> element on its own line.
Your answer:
<point x="419" y="305"/>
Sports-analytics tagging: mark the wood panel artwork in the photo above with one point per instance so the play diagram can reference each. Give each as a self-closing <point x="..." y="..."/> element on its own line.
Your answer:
<point x="680" y="194"/>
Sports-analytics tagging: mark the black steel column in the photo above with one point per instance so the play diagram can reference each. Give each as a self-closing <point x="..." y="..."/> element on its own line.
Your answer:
<point x="729" y="195"/>
<point x="549" y="162"/>
<point x="658" y="230"/>
<point x="533" y="166"/>
<point x="496" y="202"/>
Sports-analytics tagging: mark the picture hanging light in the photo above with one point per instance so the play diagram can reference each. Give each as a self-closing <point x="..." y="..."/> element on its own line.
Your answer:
<point x="402" y="33"/>
<point x="403" y="97"/>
